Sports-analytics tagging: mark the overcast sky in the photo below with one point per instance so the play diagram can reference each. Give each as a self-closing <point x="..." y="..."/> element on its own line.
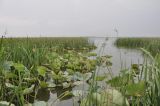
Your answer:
<point x="80" y="17"/>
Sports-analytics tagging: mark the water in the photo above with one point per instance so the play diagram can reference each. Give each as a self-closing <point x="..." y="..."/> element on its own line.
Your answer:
<point x="121" y="59"/>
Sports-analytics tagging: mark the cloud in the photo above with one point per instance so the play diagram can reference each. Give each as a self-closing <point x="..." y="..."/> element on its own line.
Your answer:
<point x="12" y="21"/>
<point x="81" y="17"/>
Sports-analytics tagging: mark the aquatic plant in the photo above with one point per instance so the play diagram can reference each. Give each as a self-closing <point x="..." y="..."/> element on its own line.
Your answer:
<point x="30" y="64"/>
<point x="150" y="44"/>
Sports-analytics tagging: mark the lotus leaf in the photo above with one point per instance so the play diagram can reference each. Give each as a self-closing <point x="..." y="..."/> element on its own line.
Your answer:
<point x="43" y="84"/>
<point x="42" y="70"/>
<point x="19" y="67"/>
<point x="78" y="93"/>
<point x="82" y="77"/>
<point x="66" y="85"/>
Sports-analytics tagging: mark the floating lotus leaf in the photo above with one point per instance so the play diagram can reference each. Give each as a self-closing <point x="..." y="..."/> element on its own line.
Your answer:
<point x="41" y="70"/>
<point x="82" y="77"/>
<point x="19" y="67"/>
<point x="78" y="93"/>
<point x="76" y="83"/>
<point x="87" y="76"/>
<point x="66" y="85"/>
<point x="51" y="85"/>
<point x="69" y="78"/>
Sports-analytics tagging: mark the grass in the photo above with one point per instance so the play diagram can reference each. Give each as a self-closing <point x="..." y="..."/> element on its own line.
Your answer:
<point x="32" y="50"/>
<point x="135" y="86"/>
<point x="150" y="44"/>
<point x="30" y="64"/>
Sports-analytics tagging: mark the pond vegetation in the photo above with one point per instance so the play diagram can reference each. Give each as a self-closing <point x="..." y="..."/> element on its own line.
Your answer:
<point x="32" y="65"/>
<point x="150" y="44"/>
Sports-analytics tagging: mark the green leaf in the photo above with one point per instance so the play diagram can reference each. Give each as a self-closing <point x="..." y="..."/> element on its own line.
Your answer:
<point x="91" y="54"/>
<point x="10" y="75"/>
<point x="19" y="67"/>
<point x="137" y="89"/>
<point x="82" y="77"/>
<point x="66" y="85"/>
<point x="51" y="84"/>
<point x="43" y="84"/>
<point x="87" y="76"/>
<point x="76" y="83"/>
<point x="42" y="70"/>
<point x="70" y="71"/>
<point x="28" y="90"/>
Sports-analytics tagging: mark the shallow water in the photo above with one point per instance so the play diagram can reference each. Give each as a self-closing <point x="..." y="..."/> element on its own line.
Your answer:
<point x="121" y="59"/>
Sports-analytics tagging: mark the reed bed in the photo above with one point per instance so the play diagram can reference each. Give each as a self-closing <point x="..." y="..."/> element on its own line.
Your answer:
<point x="32" y="50"/>
<point x="30" y="64"/>
<point x="150" y="44"/>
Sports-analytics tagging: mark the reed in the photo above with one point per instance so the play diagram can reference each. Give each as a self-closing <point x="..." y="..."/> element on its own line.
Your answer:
<point x="150" y="44"/>
<point x="27" y="64"/>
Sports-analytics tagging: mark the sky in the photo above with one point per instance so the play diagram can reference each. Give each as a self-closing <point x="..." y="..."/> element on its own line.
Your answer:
<point x="80" y="17"/>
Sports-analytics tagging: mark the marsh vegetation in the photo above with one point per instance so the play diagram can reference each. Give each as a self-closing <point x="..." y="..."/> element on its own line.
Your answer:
<point x="32" y="68"/>
<point x="150" y="44"/>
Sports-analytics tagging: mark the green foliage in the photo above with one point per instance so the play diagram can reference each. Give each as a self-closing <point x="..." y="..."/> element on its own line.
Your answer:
<point x="150" y="44"/>
<point x="30" y="64"/>
<point x="42" y="70"/>
<point x="137" y="89"/>
<point x="108" y="97"/>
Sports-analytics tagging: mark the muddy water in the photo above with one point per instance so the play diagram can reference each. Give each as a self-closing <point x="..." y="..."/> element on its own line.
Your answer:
<point x="121" y="59"/>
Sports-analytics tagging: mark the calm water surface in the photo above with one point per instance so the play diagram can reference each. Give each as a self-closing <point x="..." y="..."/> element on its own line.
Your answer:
<point x="121" y="58"/>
